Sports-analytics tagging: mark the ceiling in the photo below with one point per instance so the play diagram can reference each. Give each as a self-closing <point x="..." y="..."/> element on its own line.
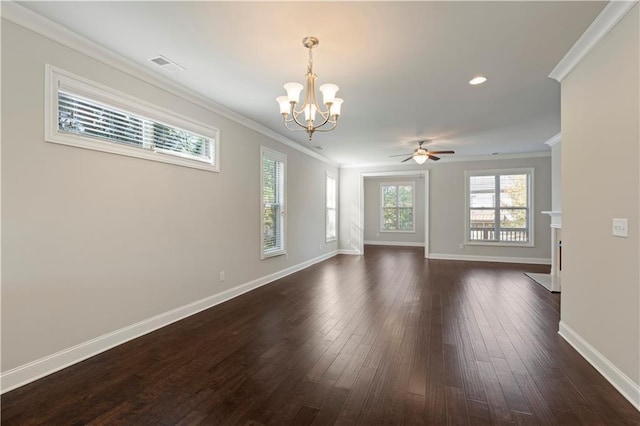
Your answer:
<point x="402" y="67"/>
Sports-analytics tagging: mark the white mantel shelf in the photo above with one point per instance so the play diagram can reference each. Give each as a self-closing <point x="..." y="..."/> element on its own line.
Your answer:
<point x="556" y="218"/>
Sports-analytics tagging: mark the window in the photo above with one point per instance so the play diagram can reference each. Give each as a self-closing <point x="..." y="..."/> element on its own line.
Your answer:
<point x="499" y="207"/>
<point x="84" y="114"/>
<point x="272" y="182"/>
<point x="330" y="220"/>
<point x="397" y="207"/>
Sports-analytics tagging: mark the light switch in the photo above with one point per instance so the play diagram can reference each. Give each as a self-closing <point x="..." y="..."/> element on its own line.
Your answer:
<point x="620" y="227"/>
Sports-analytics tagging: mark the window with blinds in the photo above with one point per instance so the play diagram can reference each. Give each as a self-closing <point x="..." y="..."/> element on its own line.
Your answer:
<point x="273" y="175"/>
<point x="397" y="200"/>
<point x="84" y="114"/>
<point x="499" y="207"/>
<point x="331" y="205"/>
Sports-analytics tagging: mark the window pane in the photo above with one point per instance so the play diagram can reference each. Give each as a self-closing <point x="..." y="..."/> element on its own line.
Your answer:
<point x="272" y="202"/>
<point x="405" y="219"/>
<point x="389" y="196"/>
<point x="513" y="225"/>
<point x="390" y="219"/>
<point x="405" y="196"/>
<point x="331" y="224"/>
<point x="482" y="191"/>
<point x="513" y="191"/>
<point x="331" y="193"/>
<point x="482" y="224"/>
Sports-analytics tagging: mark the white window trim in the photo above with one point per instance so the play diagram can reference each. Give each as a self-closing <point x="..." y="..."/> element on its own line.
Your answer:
<point x="326" y="208"/>
<point x="56" y="79"/>
<point x="530" y="195"/>
<point x="413" y="207"/>
<point x="276" y="156"/>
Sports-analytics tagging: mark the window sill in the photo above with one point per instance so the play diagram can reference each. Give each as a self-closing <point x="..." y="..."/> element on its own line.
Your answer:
<point x="272" y="254"/>
<point x="397" y="232"/>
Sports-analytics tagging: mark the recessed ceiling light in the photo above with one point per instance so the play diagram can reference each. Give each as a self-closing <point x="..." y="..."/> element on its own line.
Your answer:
<point x="478" y="80"/>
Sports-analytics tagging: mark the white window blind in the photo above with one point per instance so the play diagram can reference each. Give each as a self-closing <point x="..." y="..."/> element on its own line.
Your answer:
<point x="331" y="204"/>
<point x="499" y="206"/>
<point x="87" y="115"/>
<point x="273" y="203"/>
<point x="397" y="200"/>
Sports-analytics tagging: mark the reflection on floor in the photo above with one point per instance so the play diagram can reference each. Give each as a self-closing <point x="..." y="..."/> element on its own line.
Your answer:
<point x="548" y="281"/>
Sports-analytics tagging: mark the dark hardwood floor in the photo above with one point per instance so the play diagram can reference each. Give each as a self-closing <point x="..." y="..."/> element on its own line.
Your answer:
<point x="386" y="338"/>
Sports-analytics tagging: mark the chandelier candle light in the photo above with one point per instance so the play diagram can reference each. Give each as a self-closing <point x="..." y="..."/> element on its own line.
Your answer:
<point x="310" y="106"/>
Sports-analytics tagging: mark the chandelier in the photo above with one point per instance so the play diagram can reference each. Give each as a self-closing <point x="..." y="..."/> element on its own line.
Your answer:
<point x="328" y="119"/>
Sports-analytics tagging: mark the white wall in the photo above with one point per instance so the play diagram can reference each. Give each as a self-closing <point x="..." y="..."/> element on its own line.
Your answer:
<point x="447" y="209"/>
<point x="372" y="212"/>
<point x="600" y="308"/>
<point x="95" y="242"/>
<point x="556" y="177"/>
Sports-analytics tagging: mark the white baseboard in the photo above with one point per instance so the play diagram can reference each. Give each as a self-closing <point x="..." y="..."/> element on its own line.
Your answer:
<point x="350" y="252"/>
<point x="394" y="243"/>
<point x="617" y="378"/>
<point x="37" y="369"/>
<point x="501" y="259"/>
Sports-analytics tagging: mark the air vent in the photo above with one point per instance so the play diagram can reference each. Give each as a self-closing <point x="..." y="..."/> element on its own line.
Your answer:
<point x="166" y="64"/>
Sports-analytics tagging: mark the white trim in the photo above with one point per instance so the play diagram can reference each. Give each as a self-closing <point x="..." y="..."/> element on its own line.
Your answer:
<point x="619" y="380"/>
<point x="499" y="259"/>
<point x="25" y="18"/>
<point x="612" y="13"/>
<point x="56" y="79"/>
<point x="413" y="207"/>
<point x="34" y="370"/>
<point x="530" y="172"/>
<point x="553" y="140"/>
<point x="350" y="252"/>
<point x="426" y="214"/>
<point x="394" y="243"/>
<point x="328" y="175"/>
<point x="275" y="156"/>
<point x="539" y="154"/>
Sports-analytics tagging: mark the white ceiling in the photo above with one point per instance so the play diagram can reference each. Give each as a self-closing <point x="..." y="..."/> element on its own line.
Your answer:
<point x="402" y="67"/>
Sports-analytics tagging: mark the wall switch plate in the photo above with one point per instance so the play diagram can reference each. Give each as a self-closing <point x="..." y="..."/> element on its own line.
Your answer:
<point x="221" y="276"/>
<point x="620" y="227"/>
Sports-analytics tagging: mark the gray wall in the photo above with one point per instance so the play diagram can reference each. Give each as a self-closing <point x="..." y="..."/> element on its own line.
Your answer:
<point x="94" y="242"/>
<point x="372" y="212"/>
<point x="600" y="275"/>
<point x="556" y="177"/>
<point x="447" y="206"/>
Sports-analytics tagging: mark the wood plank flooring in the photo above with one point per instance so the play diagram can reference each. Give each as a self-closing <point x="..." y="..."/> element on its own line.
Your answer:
<point x="385" y="338"/>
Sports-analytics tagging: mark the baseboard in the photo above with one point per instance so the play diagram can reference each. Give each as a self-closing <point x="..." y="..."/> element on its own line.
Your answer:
<point x="617" y="378"/>
<point x="349" y="252"/>
<point x="394" y="243"/>
<point x="500" y="259"/>
<point x="37" y="369"/>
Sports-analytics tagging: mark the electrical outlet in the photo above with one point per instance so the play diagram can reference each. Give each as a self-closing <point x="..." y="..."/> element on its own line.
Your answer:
<point x="221" y="276"/>
<point x="620" y="227"/>
<point x="462" y="246"/>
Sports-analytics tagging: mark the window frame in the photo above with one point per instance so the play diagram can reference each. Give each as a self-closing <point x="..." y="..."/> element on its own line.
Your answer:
<point x="334" y="237"/>
<point x="59" y="80"/>
<point x="274" y="156"/>
<point x="413" y="207"/>
<point x="530" y="172"/>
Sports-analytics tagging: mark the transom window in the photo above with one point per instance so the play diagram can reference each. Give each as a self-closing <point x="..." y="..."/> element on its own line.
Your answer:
<point x="397" y="201"/>
<point x="499" y="207"/>
<point x="87" y="115"/>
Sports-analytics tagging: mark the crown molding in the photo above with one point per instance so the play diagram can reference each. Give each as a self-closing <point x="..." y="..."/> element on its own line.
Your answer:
<point x="443" y="160"/>
<point x="553" y="140"/>
<point x="612" y="13"/>
<point x="38" y="24"/>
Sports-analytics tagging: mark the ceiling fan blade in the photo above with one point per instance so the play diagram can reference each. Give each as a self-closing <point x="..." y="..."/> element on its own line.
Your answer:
<point x="433" y="157"/>
<point x="407" y="159"/>
<point x="440" y="152"/>
<point x="399" y="155"/>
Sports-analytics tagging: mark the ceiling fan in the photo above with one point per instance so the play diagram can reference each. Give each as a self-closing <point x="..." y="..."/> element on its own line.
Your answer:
<point x="420" y="154"/>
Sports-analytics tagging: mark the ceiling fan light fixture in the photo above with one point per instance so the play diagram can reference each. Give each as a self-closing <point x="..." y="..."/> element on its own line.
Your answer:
<point x="420" y="158"/>
<point x="329" y="111"/>
<point x="477" y="80"/>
